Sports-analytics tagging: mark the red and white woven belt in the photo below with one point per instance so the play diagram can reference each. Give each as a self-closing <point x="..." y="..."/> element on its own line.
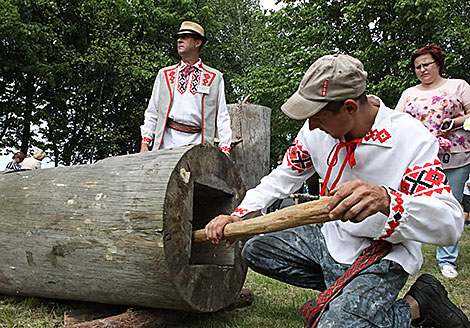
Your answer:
<point x="182" y="127"/>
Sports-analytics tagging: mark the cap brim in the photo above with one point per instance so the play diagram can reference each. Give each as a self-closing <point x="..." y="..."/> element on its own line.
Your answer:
<point x="203" y="38"/>
<point x="299" y="108"/>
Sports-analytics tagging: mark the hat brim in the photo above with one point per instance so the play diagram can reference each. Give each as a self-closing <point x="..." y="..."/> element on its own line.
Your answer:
<point x="190" y="32"/>
<point x="299" y="108"/>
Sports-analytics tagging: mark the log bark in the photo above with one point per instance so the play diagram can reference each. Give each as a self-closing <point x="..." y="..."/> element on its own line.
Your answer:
<point x="151" y="318"/>
<point x="119" y="231"/>
<point x="136" y="319"/>
<point x="289" y="217"/>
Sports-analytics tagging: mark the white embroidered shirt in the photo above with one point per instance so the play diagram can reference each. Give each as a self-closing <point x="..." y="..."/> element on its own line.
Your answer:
<point x="398" y="153"/>
<point x="186" y="108"/>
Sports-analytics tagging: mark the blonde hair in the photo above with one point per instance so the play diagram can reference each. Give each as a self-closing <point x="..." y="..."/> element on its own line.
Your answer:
<point x="39" y="155"/>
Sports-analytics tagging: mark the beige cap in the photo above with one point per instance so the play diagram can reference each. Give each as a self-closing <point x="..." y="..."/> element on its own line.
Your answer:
<point x="330" y="78"/>
<point x="188" y="27"/>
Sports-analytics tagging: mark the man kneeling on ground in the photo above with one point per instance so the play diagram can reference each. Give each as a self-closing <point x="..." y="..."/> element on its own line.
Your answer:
<point x="388" y="193"/>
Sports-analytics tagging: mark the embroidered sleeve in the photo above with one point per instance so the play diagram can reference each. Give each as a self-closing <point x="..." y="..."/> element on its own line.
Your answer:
<point x="240" y="211"/>
<point x="146" y="140"/>
<point x="225" y="150"/>
<point x="298" y="158"/>
<point x="224" y="128"/>
<point x="396" y="212"/>
<point x="422" y="200"/>
<point x="285" y="179"/>
<point x="426" y="179"/>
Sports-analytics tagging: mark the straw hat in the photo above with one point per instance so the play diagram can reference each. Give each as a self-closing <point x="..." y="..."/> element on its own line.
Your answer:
<point x="192" y="28"/>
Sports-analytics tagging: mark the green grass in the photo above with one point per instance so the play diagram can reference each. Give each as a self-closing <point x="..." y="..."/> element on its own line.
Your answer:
<point x="30" y="312"/>
<point x="275" y="305"/>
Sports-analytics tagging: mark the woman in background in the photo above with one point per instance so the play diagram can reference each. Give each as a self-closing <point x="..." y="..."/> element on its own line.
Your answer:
<point x="15" y="164"/>
<point x="34" y="163"/>
<point x="443" y="106"/>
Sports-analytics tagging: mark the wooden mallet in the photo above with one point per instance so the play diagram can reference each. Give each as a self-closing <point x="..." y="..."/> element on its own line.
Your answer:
<point x="289" y="217"/>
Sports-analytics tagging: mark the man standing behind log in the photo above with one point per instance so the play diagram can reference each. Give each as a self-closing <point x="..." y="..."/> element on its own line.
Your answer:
<point x="188" y="99"/>
<point x="388" y="193"/>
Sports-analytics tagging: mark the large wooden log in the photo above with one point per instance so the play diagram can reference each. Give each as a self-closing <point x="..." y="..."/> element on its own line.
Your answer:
<point x="119" y="231"/>
<point x="252" y="123"/>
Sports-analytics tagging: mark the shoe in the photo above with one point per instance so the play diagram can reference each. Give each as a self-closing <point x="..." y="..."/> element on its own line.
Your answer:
<point x="449" y="271"/>
<point x="436" y="309"/>
<point x="467" y="223"/>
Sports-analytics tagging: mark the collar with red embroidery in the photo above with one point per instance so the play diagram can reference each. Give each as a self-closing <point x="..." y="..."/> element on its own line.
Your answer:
<point x="381" y="132"/>
<point x="182" y="65"/>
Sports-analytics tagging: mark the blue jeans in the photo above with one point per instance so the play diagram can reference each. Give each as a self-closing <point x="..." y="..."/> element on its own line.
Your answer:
<point x="299" y="256"/>
<point x="457" y="178"/>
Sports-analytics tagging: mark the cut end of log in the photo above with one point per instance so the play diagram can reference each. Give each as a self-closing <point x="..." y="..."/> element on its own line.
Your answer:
<point x="211" y="188"/>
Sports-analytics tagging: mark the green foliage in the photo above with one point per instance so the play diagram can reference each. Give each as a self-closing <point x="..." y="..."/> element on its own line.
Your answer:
<point x="382" y="34"/>
<point x="83" y="70"/>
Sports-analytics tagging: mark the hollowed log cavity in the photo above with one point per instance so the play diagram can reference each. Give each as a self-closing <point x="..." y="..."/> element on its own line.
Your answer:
<point x="208" y="202"/>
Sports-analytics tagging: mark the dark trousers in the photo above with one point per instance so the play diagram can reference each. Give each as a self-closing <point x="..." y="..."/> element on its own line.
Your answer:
<point x="300" y="257"/>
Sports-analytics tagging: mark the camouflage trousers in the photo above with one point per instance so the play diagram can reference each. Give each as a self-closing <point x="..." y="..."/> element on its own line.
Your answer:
<point x="300" y="257"/>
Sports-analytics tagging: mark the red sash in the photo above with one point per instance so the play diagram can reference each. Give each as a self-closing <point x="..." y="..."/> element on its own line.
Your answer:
<point x="312" y="310"/>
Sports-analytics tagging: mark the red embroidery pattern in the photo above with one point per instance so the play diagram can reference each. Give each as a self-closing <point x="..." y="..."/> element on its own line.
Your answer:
<point x="186" y="128"/>
<point x="206" y="79"/>
<point x="312" y="310"/>
<point x="396" y="204"/>
<point x="172" y="76"/>
<point x="425" y="180"/>
<point x="146" y="140"/>
<point x="375" y="134"/>
<point x="417" y="181"/>
<point x="240" y="211"/>
<point x="297" y="158"/>
<point x="225" y="149"/>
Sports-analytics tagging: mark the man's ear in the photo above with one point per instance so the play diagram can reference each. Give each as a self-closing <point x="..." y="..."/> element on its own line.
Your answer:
<point x="351" y="105"/>
<point x="198" y="43"/>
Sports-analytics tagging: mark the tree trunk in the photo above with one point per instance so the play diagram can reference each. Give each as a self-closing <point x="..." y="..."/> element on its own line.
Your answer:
<point x="252" y="122"/>
<point x="119" y="231"/>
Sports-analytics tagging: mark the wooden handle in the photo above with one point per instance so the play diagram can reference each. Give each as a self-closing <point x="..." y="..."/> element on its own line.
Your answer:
<point x="289" y="217"/>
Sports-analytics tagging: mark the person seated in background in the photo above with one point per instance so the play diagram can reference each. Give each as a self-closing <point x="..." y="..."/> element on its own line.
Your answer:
<point x="15" y="164"/>
<point x="34" y="162"/>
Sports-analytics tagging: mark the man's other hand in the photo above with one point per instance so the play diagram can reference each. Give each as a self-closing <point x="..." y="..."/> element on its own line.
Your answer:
<point x="356" y="200"/>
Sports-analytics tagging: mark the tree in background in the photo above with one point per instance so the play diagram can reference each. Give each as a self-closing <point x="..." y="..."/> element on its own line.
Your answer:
<point x="382" y="34"/>
<point x="82" y="70"/>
